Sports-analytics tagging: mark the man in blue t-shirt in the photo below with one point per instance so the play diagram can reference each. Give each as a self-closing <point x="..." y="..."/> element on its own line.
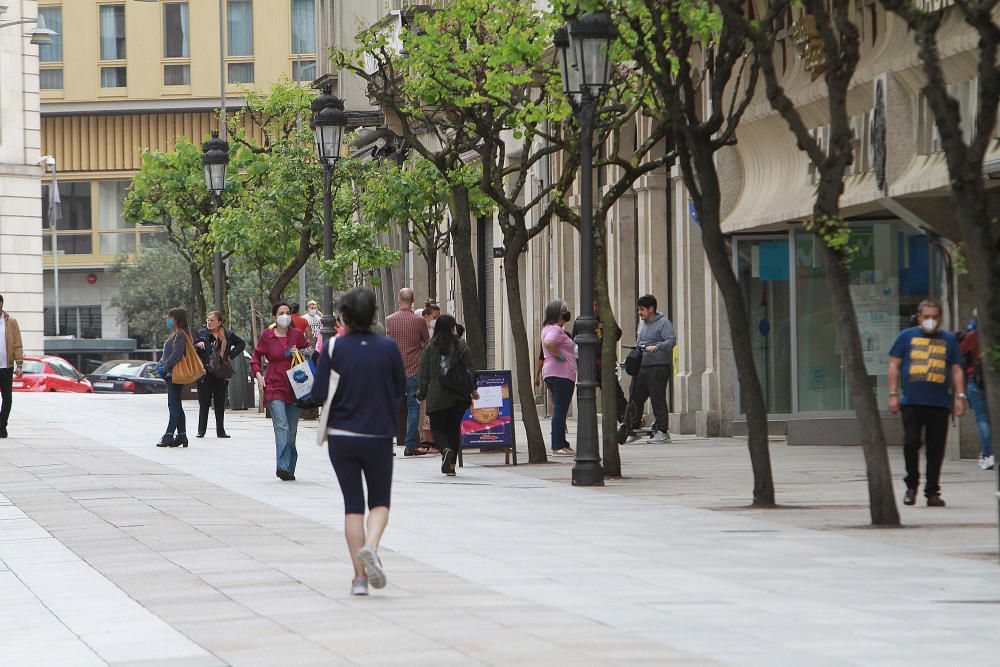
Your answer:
<point x="931" y="366"/>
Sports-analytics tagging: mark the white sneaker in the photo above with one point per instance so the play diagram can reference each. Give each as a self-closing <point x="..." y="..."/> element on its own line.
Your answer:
<point x="661" y="437"/>
<point x="373" y="566"/>
<point x="359" y="586"/>
<point x="987" y="462"/>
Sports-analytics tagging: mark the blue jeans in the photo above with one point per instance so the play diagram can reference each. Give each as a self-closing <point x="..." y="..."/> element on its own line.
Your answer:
<point x="178" y="421"/>
<point x="285" y="420"/>
<point x="978" y="402"/>
<point x="412" y="411"/>
<point x="562" y="395"/>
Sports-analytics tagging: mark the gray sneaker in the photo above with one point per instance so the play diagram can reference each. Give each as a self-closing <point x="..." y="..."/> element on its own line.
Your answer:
<point x="359" y="586"/>
<point x="661" y="437"/>
<point x="373" y="566"/>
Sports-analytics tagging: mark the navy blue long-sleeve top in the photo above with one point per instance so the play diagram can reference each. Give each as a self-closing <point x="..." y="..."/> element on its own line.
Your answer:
<point x="372" y="382"/>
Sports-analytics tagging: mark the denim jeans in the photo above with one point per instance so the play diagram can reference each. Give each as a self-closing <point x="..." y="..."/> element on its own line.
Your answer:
<point x="412" y="411"/>
<point x="978" y="402"/>
<point x="562" y="394"/>
<point x="285" y="420"/>
<point x="177" y="421"/>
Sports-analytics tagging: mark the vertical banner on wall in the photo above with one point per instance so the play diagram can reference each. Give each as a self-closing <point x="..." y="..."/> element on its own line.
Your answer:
<point x="489" y="422"/>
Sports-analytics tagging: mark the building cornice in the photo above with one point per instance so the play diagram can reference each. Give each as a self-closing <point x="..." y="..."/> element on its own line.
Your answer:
<point x="137" y="106"/>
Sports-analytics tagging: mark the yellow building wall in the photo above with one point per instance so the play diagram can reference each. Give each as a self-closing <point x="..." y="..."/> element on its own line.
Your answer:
<point x="272" y="56"/>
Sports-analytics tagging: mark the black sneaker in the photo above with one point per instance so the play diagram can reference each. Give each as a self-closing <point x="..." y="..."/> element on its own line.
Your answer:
<point x="166" y="441"/>
<point x="935" y="501"/>
<point x="911" y="497"/>
<point x="284" y="475"/>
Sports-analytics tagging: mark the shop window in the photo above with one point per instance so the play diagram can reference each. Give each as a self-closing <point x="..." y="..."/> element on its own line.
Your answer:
<point x="763" y="271"/>
<point x="889" y="275"/>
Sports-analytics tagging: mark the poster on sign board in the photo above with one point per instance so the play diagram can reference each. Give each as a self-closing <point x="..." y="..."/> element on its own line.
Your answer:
<point x="489" y="421"/>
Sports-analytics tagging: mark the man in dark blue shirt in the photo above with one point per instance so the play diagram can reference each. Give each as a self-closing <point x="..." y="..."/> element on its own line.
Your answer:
<point x="931" y="367"/>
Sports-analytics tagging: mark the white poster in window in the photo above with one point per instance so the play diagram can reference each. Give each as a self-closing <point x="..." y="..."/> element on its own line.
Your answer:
<point x="878" y="331"/>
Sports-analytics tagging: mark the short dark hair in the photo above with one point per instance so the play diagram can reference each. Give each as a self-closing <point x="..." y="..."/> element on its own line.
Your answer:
<point x="358" y="307"/>
<point x="647" y="301"/>
<point x="275" y="307"/>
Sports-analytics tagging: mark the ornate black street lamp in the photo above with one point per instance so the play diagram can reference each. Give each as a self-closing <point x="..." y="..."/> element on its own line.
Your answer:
<point x="328" y="123"/>
<point x="584" y="56"/>
<point x="215" y="160"/>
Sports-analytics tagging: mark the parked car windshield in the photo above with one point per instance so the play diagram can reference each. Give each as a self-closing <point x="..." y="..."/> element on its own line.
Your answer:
<point x="123" y="368"/>
<point x="32" y="367"/>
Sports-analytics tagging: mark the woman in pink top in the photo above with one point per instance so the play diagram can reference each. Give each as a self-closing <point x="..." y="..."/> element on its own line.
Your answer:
<point x="559" y="371"/>
<point x="277" y="346"/>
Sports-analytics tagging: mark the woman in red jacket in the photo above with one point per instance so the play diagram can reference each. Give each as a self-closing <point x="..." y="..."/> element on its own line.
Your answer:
<point x="277" y="346"/>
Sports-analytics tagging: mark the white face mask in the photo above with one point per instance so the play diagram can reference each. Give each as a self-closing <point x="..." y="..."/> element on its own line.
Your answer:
<point x="284" y="321"/>
<point x="313" y="311"/>
<point x="929" y="326"/>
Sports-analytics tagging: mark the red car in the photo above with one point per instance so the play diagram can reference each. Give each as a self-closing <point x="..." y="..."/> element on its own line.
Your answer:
<point x="51" y="374"/>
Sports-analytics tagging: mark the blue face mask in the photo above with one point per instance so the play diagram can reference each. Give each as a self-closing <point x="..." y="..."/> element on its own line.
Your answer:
<point x="170" y="323"/>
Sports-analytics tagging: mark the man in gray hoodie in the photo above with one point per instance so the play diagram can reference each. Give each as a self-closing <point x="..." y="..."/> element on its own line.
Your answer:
<point x="657" y="339"/>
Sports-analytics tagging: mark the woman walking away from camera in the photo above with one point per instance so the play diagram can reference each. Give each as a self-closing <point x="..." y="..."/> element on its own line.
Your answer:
<point x="277" y="345"/>
<point x="216" y="346"/>
<point x="446" y="404"/>
<point x="173" y="351"/>
<point x="559" y="371"/>
<point x="359" y="422"/>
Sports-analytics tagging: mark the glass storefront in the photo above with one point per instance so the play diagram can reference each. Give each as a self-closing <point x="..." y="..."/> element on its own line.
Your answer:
<point x="796" y="341"/>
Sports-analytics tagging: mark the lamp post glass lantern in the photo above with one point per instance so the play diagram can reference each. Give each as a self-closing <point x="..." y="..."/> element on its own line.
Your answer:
<point x="590" y="39"/>
<point x="328" y="123"/>
<point x="215" y="159"/>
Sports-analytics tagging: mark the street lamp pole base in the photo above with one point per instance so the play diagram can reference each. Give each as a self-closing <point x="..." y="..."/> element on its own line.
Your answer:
<point x="588" y="473"/>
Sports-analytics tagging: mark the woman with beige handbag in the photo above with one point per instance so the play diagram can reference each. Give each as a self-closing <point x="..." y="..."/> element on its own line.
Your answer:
<point x="179" y="366"/>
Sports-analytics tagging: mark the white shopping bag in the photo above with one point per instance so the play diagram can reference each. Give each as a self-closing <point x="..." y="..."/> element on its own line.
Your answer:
<point x="301" y="375"/>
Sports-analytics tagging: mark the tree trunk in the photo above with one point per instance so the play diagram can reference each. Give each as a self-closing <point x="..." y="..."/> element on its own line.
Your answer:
<point x="291" y="272"/>
<point x="719" y="260"/>
<point x="881" y="498"/>
<point x="522" y="354"/>
<point x="609" y="357"/>
<point x="197" y="293"/>
<point x="431" y="276"/>
<point x="461" y="236"/>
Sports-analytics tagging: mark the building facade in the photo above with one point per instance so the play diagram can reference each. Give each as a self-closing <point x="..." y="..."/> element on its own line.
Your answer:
<point x="896" y="199"/>
<point x="20" y="176"/>
<point x="126" y="75"/>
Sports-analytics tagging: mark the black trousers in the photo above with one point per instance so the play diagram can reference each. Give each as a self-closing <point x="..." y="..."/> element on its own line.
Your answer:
<point x="651" y="383"/>
<point x="212" y="390"/>
<point x="446" y="425"/>
<point x="924" y="424"/>
<point x="7" y="394"/>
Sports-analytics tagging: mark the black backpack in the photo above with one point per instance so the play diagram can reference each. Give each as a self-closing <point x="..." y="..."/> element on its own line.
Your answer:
<point x="455" y="377"/>
<point x="633" y="362"/>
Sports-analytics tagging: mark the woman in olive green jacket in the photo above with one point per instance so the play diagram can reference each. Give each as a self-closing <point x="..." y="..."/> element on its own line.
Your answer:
<point x="445" y="407"/>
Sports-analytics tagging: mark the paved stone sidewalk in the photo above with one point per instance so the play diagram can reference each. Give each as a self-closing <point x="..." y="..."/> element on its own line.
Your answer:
<point x="494" y="567"/>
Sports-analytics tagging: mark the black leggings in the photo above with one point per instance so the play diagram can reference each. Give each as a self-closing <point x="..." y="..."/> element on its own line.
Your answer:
<point x="351" y="457"/>
<point x="212" y="390"/>
<point x="446" y="425"/>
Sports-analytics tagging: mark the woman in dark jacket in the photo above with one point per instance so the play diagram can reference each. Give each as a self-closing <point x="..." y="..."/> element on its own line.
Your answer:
<point x="216" y="345"/>
<point x="173" y="351"/>
<point x="359" y="422"/>
<point x="445" y="407"/>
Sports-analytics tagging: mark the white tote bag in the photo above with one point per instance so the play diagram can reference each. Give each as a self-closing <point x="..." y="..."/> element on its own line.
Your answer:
<point x="301" y="376"/>
<point x="324" y="417"/>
